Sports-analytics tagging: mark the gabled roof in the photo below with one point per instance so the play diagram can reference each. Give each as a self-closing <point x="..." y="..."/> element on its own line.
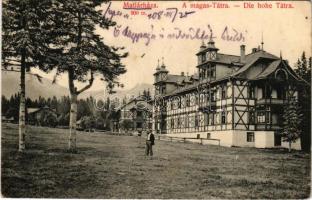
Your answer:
<point x="32" y="110"/>
<point x="273" y="63"/>
<point x="250" y="59"/>
<point x="269" y="64"/>
<point x="268" y="70"/>
<point x="138" y="98"/>
<point x="147" y="106"/>
<point x="274" y="66"/>
<point x="260" y="53"/>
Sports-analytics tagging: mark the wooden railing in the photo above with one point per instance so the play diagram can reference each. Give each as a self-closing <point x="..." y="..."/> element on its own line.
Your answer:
<point x="184" y="139"/>
<point x="273" y="101"/>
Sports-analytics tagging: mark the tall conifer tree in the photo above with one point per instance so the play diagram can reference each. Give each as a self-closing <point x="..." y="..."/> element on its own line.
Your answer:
<point x="85" y="55"/>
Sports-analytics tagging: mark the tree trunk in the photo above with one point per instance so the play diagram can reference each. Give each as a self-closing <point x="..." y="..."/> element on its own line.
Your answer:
<point x="22" y="107"/>
<point x="289" y="146"/>
<point x="72" y="123"/>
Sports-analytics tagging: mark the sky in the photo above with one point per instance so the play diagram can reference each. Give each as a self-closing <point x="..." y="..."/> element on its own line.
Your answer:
<point x="285" y="31"/>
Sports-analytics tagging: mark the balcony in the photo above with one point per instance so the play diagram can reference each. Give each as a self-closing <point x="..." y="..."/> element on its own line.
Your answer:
<point x="271" y="101"/>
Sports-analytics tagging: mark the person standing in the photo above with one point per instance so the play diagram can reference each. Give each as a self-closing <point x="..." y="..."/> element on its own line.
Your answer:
<point x="150" y="141"/>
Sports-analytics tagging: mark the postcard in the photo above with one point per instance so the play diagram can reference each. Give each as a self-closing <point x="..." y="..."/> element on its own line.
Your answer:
<point x="156" y="99"/>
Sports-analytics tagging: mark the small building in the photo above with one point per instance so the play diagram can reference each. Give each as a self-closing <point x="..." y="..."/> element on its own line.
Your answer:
<point x="136" y="115"/>
<point x="44" y="116"/>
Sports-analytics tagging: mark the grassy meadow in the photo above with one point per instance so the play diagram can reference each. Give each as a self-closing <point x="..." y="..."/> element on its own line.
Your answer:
<point x="109" y="166"/>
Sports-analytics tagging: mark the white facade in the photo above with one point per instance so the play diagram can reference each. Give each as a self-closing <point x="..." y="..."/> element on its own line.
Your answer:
<point x="231" y="138"/>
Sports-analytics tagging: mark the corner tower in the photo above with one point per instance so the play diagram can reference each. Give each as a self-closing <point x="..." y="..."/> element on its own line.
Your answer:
<point x="160" y="76"/>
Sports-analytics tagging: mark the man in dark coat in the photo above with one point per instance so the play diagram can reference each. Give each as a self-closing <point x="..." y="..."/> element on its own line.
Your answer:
<point x="150" y="141"/>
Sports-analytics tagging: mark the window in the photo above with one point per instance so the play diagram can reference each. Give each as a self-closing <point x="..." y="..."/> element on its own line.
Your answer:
<point x="202" y="98"/>
<point x="172" y="123"/>
<point x="208" y="135"/>
<point x="176" y="123"/>
<point x="280" y="93"/>
<point x="211" y="119"/>
<point x="209" y="55"/>
<point x="196" y="100"/>
<point x="212" y="73"/>
<point x="208" y="97"/>
<point x="251" y="116"/>
<point x="261" y="117"/>
<point x="267" y="116"/>
<point x="191" y="121"/>
<point x="196" y="121"/>
<point x="206" y="119"/>
<point x="139" y="114"/>
<point x="187" y="100"/>
<point x="179" y="103"/>
<point x="212" y="94"/>
<point x="182" y="122"/>
<point x="139" y="125"/>
<point x="250" y="136"/>
<point x="179" y="123"/>
<point x="163" y="89"/>
<point x="262" y="92"/>
<point x="199" y="59"/>
<point x="251" y="92"/>
<point x="223" y="117"/>
<point x="192" y="100"/>
<point x="186" y="121"/>
<point x="182" y="102"/>
<point x="203" y="57"/>
<point x="223" y="92"/>
<point x="266" y="92"/>
<point x="281" y="75"/>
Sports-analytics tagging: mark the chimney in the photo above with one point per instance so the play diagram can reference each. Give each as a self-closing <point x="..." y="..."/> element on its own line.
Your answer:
<point x="182" y="73"/>
<point x="242" y="53"/>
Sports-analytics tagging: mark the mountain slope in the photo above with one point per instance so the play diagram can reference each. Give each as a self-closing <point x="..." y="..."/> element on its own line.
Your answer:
<point x="135" y="91"/>
<point x="34" y="88"/>
<point x="45" y="88"/>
